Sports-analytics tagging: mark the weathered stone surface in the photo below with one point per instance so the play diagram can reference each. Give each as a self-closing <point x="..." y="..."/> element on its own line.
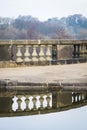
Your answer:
<point x="56" y="77"/>
<point x="65" y="51"/>
<point x="4" y="53"/>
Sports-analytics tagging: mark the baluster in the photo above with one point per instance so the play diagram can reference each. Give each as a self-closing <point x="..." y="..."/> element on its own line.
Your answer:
<point x="14" y="103"/>
<point x="27" y="100"/>
<point x="77" y="97"/>
<point x="80" y="97"/>
<point x="19" y="101"/>
<point x="54" y="54"/>
<point x="48" y="101"/>
<point x="41" y="99"/>
<point x="34" y="54"/>
<point x="48" y="53"/>
<point x="81" y="50"/>
<point x="41" y="54"/>
<point x="83" y="97"/>
<point x="85" y="50"/>
<point x="74" y="96"/>
<point x="34" y="102"/>
<point x="19" y="54"/>
<point x="10" y="51"/>
<point x="76" y="51"/>
<point x="27" y="54"/>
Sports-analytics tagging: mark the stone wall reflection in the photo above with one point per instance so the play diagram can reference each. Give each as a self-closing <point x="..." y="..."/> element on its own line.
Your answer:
<point x="20" y="104"/>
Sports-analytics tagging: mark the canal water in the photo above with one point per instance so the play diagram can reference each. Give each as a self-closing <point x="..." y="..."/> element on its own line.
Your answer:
<point x="43" y="111"/>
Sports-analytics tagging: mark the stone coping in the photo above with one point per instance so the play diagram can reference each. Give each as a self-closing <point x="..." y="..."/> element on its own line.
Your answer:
<point x="8" y="64"/>
<point x="43" y="41"/>
<point x="56" y="77"/>
<point x="10" y="85"/>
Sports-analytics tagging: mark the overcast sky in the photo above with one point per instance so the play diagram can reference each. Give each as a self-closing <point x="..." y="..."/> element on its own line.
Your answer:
<point x="42" y="9"/>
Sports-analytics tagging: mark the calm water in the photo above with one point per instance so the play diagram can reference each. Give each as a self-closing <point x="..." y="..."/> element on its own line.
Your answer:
<point x="62" y="111"/>
<point x="75" y="119"/>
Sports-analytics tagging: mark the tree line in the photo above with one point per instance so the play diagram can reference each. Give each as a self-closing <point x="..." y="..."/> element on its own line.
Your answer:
<point x="29" y="27"/>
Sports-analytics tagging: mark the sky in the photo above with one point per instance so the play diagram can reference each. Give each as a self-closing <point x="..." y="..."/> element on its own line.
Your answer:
<point x="74" y="119"/>
<point x="42" y="9"/>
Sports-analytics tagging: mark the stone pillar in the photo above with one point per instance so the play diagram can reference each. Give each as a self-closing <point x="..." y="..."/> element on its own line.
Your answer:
<point x="61" y="99"/>
<point x="64" y="99"/>
<point x="54" y="100"/>
<point x="5" y="53"/>
<point x="5" y="104"/>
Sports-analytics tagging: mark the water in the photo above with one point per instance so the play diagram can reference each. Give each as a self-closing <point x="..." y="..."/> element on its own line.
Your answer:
<point x="75" y="119"/>
<point x="43" y="111"/>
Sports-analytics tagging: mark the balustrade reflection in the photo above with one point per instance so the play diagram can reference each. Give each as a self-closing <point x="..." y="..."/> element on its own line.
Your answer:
<point x="35" y="103"/>
<point x="77" y="97"/>
<point x="32" y="102"/>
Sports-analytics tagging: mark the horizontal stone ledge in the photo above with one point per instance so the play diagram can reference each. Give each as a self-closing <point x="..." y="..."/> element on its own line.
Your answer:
<point x="10" y="85"/>
<point x="74" y="84"/>
<point x="7" y="64"/>
<point x="8" y="82"/>
<point x="39" y="42"/>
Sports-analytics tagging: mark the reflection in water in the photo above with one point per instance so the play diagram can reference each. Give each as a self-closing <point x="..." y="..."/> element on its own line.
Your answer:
<point x="31" y="103"/>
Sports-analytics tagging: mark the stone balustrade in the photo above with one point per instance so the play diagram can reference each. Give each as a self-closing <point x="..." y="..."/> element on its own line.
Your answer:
<point x="43" y="51"/>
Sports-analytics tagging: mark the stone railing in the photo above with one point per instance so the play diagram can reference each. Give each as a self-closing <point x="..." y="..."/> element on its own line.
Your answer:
<point x="42" y="52"/>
